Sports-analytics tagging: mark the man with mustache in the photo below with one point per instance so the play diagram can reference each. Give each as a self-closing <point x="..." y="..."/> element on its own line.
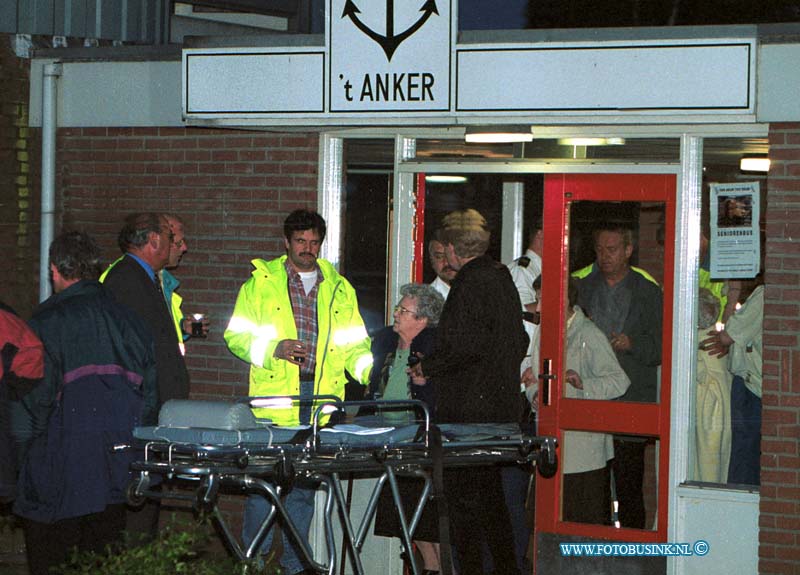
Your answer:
<point x="444" y="273"/>
<point x="297" y="323"/>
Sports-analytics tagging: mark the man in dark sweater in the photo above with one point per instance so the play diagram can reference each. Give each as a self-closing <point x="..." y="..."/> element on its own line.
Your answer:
<point x="479" y="346"/>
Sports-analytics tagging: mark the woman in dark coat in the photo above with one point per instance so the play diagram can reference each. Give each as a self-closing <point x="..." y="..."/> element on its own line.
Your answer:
<point x="408" y="339"/>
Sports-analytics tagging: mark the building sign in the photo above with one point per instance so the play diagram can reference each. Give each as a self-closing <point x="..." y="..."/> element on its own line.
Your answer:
<point x="389" y="56"/>
<point x="735" y="239"/>
<point x="398" y="62"/>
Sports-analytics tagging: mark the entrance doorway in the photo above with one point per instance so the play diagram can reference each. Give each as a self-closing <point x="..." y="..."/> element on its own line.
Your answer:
<point x="606" y="366"/>
<point x="409" y="213"/>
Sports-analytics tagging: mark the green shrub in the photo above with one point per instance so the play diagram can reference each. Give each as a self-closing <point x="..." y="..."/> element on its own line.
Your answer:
<point x="179" y="549"/>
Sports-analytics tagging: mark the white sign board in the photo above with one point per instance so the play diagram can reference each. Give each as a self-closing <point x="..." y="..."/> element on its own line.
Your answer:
<point x="735" y="238"/>
<point x="388" y="56"/>
<point x="614" y="77"/>
<point x="253" y="82"/>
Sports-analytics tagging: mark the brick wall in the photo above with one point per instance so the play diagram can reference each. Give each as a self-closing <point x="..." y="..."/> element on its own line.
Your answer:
<point x="233" y="189"/>
<point x="19" y="184"/>
<point x="779" y="545"/>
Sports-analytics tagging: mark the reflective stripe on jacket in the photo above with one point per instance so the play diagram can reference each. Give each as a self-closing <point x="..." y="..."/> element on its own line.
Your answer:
<point x="585" y="271"/>
<point x="263" y="317"/>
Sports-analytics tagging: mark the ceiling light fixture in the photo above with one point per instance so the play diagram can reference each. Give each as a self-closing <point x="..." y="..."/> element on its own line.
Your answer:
<point x="445" y="179"/>
<point x="497" y="134"/>
<point x="591" y="141"/>
<point x="754" y="164"/>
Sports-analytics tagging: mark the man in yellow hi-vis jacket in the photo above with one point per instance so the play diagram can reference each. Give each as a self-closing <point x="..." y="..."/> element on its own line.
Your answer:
<point x="297" y="323"/>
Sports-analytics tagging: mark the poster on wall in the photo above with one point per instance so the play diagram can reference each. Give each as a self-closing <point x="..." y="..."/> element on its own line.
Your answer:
<point x="735" y="241"/>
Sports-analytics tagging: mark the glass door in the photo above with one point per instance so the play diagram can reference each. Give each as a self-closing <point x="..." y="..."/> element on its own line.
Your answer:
<point x="604" y="385"/>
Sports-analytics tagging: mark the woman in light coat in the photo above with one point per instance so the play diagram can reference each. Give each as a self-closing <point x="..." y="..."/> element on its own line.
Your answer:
<point x="593" y="372"/>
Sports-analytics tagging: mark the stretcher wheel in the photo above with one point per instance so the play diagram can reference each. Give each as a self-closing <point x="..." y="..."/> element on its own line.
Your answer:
<point x="131" y="495"/>
<point x="546" y="468"/>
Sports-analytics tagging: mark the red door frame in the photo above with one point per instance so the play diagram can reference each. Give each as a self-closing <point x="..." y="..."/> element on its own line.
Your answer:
<point x="593" y="415"/>
<point x="419" y="228"/>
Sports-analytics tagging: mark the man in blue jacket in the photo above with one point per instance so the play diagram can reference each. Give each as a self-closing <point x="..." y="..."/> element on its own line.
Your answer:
<point x="99" y="383"/>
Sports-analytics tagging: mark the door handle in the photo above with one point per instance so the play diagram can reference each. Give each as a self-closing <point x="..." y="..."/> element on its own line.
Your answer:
<point x="546" y="378"/>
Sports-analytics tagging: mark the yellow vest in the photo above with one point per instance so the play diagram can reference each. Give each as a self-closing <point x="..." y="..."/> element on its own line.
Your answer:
<point x="585" y="271"/>
<point x="263" y="317"/>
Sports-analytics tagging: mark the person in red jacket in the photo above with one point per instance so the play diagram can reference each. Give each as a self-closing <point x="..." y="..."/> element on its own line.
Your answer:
<point x="21" y="369"/>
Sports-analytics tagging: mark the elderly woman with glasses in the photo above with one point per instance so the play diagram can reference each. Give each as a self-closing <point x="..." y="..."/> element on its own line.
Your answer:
<point x="408" y="339"/>
<point x="403" y="343"/>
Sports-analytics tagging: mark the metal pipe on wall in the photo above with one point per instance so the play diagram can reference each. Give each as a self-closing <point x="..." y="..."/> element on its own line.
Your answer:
<point x="49" y="126"/>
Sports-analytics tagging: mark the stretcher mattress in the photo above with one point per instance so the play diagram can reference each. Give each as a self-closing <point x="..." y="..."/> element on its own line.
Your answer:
<point x="345" y="434"/>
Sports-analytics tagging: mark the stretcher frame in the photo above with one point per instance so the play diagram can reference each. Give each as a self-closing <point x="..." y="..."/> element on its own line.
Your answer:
<point x="270" y="470"/>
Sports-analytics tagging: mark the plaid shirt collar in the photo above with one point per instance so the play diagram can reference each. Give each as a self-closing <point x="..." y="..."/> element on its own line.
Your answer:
<point x="294" y="275"/>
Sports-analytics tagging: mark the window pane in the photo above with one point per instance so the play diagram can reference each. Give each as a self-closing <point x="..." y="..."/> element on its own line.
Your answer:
<point x="617" y="268"/>
<point x="621" y="492"/>
<point x="725" y="446"/>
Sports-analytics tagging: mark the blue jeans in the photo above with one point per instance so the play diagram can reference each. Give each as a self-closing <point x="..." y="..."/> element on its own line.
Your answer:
<point x="745" y="465"/>
<point x="299" y="504"/>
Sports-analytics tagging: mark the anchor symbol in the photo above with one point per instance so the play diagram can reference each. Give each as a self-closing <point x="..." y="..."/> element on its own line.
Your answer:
<point x="389" y="42"/>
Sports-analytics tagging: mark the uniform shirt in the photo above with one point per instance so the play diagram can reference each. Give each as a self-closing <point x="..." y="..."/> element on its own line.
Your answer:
<point x="524" y="270"/>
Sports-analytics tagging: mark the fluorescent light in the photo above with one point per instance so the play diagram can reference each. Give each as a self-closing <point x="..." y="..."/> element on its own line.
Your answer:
<point x="497" y="138"/>
<point x="445" y="179"/>
<point x="591" y="141"/>
<point x="754" y="164"/>
<point x="497" y="134"/>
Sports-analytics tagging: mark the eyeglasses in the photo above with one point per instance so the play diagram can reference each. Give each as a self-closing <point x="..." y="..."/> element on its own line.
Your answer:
<point x="400" y="309"/>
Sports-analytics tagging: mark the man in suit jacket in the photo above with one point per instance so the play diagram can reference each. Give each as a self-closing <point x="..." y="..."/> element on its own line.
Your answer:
<point x="145" y="239"/>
